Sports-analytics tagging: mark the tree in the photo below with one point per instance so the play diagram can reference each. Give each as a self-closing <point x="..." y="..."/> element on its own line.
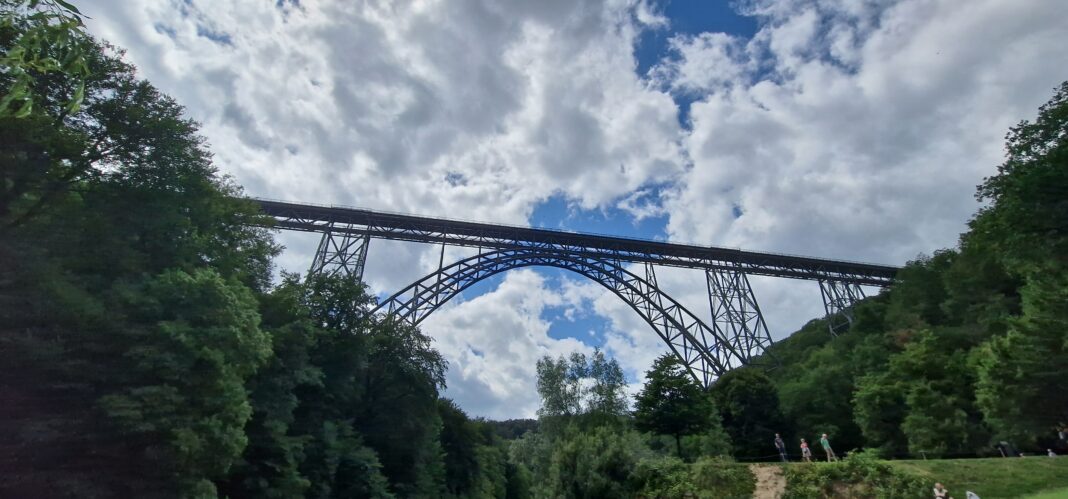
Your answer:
<point x="1027" y="221"/>
<point x="559" y="385"/>
<point x="879" y="409"/>
<point x="672" y="403"/>
<point x="460" y="440"/>
<point x="749" y="404"/>
<point x="193" y="342"/>
<point x="40" y="38"/>
<point x="1021" y="374"/>
<point x="595" y="463"/>
<point x="605" y="397"/>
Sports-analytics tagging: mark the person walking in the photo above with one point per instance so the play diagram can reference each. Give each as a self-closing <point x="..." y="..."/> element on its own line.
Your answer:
<point x="826" y="443"/>
<point x="806" y="453"/>
<point x="781" y="447"/>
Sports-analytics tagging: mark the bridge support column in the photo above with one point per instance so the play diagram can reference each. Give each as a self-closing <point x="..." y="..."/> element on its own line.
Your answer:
<point x="341" y="253"/>
<point x="735" y="312"/>
<point x="838" y="300"/>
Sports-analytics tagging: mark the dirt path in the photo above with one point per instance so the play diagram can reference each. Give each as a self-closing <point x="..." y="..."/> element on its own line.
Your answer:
<point x="770" y="484"/>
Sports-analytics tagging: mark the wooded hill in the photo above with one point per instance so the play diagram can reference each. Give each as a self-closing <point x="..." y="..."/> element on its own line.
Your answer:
<point x="970" y="347"/>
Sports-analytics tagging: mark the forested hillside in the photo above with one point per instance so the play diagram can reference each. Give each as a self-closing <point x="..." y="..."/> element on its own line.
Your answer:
<point x="970" y="347"/>
<point x="147" y="352"/>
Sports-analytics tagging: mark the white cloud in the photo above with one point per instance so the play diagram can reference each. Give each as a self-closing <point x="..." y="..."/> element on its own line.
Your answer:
<point x="873" y="162"/>
<point x="854" y="130"/>
<point x="842" y="129"/>
<point x="469" y="109"/>
<point x="493" y="341"/>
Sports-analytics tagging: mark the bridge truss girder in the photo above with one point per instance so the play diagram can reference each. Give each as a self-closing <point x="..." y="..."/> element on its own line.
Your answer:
<point x="398" y="227"/>
<point x="706" y="353"/>
<point x="341" y="253"/>
<point x="838" y="300"/>
<point x="735" y="312"/>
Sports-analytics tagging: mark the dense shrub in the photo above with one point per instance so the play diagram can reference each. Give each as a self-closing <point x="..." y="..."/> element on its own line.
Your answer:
<point x="859" y="475"/>
<point x="669" y="477"/>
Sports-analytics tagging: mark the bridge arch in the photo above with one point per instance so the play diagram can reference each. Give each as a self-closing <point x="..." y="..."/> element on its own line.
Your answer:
<point x="706" y="353"/>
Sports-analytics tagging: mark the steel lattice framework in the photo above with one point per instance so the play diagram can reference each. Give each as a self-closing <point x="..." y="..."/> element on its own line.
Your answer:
<point x="341" y="253"/>
<point x="735" y="313"/>
<point x="737" y="333"/>
<point x="838" y="300"/>
<point x="706" y="353"/>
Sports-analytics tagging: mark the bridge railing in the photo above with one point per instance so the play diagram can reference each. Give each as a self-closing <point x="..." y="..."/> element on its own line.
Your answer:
<point x="565" y="231"/>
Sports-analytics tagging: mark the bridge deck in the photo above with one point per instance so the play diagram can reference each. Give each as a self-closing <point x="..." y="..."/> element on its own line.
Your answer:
<point x="313" y="218"/>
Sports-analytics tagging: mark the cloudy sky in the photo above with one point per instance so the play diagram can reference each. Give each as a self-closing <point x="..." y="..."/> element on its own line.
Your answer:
<point x="852" y="129"/>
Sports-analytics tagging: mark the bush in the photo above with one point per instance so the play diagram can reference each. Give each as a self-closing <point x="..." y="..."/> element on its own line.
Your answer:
<point x="594" y="464"/>
<point x="668" y="477"/>
<point x="722" y="478"/>
<point x="859" y="475"/>
<point x="662" y="477"/>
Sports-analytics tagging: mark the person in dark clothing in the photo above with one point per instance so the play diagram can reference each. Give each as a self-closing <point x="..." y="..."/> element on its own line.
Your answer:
<point x="781" y="447"/>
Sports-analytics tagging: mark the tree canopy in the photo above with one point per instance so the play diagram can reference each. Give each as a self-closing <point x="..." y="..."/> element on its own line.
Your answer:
<point x="672" y="403"/>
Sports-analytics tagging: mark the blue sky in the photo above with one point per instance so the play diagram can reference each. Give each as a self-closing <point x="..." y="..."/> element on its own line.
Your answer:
<point x="689" y="18"/>
<point x="834" y="128"/>
<point x="684" y="17"/>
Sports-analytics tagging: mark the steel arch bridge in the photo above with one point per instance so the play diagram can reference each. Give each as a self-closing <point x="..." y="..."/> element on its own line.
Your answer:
<point x="737" y="334"/>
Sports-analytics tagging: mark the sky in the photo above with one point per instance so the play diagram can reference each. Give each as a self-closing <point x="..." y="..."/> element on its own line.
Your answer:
<point x="846" y="129"/>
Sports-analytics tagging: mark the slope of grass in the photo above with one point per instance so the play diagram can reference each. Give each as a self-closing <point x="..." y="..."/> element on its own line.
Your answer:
<point x="995" y="478"/>
<point x="1050" y="494"/>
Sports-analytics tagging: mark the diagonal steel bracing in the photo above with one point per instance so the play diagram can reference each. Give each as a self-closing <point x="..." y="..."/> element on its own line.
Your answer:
<point x="341" y="253"/>
<point x="735" y="312"/>
<point x="737" y="334"/>
<point x="706" y="353"/>
<point x="838" y="300"/>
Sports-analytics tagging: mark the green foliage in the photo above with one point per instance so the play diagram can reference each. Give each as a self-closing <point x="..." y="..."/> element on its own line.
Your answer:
<point x="969" y="345"/>
<point x="593" y="464"/>
<point x="134" y="259"/>
<point x="749" y="404"/>
<point x="580" y="389"/>
<point x="1021" y="373"/>
<point x="192" y="342"/>
<point x="715" y="477"/>
<point x="666" y="476"/>
<point x="349" y="404"/>
<point x="518" y="482"/>
<point x="559" y="385"/>
<point x="476" y="463"/>
<point x="672" y="403"/>
<point x="879" y="409"/>
<point x="605" y="398"/>
<point x="710" y="478"/>
<point x="134" y="286"/>
<point x="1027" y="222"/>
<point x="859" y="475"/>
<point x="511" y="429"/>
<point x="40" y="38"/>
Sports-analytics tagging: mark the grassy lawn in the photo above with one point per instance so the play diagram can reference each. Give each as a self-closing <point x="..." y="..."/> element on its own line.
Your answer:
<point x="997" y="477"/>
<point x="1050" y="494"/>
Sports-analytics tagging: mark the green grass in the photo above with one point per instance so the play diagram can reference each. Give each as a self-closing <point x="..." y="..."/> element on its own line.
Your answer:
<point x="995" y="478"/>
<point x="1050" y="494"/>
